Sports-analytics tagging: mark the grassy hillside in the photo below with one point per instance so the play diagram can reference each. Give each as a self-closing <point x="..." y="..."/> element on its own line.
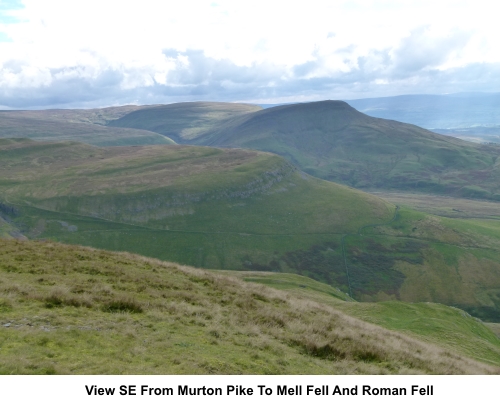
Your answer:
<point x="246" y="210"/>
<point x="74" y="310"/>
<point x="183" y="122"/>
<point x="331" y="140"/>
<point x="213" y="208"/>
<point x="77" y="125"/>
<point x="435" y="323"/>
<point x="99" y="116"/>
<point x="420" y="257"/>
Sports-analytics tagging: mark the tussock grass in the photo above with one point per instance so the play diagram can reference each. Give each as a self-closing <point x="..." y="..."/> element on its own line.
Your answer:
<point x="68" y="309"/>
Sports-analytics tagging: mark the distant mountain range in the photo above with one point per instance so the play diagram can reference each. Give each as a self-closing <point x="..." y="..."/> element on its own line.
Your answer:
<point x="470" y="116"/>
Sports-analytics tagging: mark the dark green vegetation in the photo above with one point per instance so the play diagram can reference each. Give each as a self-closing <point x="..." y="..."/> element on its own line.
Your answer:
<point x="183" y="122"/>
<point x="246" y="210"/>
<point x="74" y="310"/>
<point x="333" y="141"/>
<point x="78" y="125"/>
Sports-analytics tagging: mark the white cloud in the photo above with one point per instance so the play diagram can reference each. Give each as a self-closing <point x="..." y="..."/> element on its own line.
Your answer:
<point x="261" y="50"/>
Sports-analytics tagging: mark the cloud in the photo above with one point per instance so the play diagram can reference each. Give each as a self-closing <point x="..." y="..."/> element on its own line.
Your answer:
<point x="66" y="54"/>
<point x="423" y="50"/>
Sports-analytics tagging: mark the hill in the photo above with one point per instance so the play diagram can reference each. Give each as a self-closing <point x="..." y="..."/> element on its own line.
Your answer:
<point x="333" y="141"/>
<point x="213" y="208"/>
<point x="435" y="323"/>
<point x="246" y="210"/>
<point x="183" y="122"/>
<point x="77" y="125"/>
<point x="327" y="139"/>
<point x="75" y="310"/>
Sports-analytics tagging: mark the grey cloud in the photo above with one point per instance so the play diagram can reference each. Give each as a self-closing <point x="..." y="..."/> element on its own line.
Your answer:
<point x="378" y="73"/>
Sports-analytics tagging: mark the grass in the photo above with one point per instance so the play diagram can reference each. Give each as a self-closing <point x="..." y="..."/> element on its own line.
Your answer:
<point x="75" y="310"/>
<point x="435" y="323"/>
<point x="202" y="206"/>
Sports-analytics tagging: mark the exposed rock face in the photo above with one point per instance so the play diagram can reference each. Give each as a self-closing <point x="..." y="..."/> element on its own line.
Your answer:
<point x="167" y="202"/>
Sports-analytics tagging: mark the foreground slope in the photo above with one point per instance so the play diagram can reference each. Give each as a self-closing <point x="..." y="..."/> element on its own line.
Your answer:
<point x="74" y="310"/>
<point x="331" y="140"/>
<point x="435" y="323"/>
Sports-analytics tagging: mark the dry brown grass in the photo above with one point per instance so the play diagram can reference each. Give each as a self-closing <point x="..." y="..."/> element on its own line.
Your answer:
<point x="46" y="279"/>
<point x="244" y="325"/>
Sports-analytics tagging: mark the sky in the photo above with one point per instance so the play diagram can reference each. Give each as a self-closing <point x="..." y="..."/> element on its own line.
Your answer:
<point x="97" y="53"/>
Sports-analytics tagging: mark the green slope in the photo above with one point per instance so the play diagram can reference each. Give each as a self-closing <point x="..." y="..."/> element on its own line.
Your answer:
<point x="214" y="208"/>
<point x="77" y="125"/>
<point x="183" y="122"/>
<point x="72" y="310"/>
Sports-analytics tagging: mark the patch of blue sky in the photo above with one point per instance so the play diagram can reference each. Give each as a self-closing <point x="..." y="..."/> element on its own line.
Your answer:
<point x="6" y="6"/>
<point x="4" y="37"/>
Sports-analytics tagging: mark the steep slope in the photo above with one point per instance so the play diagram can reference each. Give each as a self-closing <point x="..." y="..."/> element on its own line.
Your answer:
<point x="74" y="310"/>
<point x="439" y="324"/>
<point x="331" y="140"/>
<point x="183" y="122"/>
